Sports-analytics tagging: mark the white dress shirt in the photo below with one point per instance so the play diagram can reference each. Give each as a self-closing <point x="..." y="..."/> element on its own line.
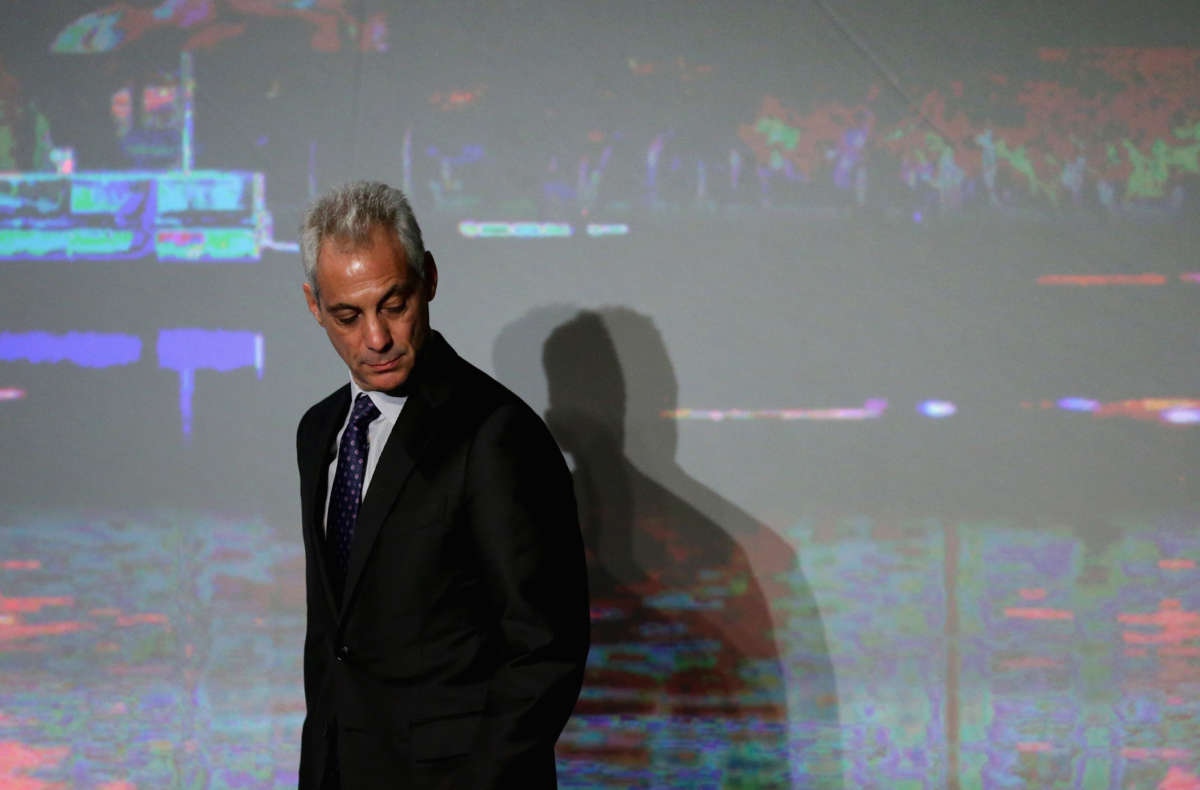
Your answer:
<point x="377" y="435"/>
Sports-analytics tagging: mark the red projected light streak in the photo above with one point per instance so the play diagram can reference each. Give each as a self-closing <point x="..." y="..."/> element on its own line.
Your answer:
<point x="1087" y="280"/>
<point x="18" y="760"/>
<point x="1166" y="411"/>
<point x="1175" y="625"/>
<point x="1148" y="278"/>
<point x="1038" y="613"/>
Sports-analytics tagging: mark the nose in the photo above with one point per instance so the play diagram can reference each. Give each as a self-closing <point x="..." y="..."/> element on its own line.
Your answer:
<point x="378" y="338"/>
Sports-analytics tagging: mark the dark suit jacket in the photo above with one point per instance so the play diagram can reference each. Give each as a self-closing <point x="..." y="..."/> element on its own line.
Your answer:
<point x="455" y="652"/>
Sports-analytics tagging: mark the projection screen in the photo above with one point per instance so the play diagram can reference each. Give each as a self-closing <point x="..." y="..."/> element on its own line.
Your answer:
<point x="867" y="329"/>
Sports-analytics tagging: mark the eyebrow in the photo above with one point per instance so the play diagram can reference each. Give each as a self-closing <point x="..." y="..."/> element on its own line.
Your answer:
<point x="402" y="290"/>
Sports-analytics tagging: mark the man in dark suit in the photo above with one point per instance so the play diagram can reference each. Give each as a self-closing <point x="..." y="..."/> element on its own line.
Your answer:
<point x="447" y="595"/>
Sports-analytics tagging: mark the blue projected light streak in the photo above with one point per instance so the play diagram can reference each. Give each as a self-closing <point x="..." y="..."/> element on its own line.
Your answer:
<point x="182" y="350"/>
<point x="596" y="229"/>
<point x="85" y="349"/>
<point x="1182" y="416"/>
<point x="473" y="229"/>
<point x="514" y="230"/>
<point x="187" y="350"/>
<point x="937" y="409"/>
<point x="1078" y="404"/>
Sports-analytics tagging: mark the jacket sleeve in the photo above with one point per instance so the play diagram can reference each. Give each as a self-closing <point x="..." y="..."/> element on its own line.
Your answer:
<point x="522" y="512"/>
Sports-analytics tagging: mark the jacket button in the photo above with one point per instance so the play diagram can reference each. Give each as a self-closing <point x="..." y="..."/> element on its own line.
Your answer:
<point x="343" y="653"/>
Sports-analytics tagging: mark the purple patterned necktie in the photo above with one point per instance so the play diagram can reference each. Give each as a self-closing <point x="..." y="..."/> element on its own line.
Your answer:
<point x="346" y="494"/>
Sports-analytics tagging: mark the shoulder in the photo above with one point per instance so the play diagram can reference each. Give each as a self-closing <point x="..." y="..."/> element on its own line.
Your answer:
<point x="321" y="411"/>
<point x="488" y="413"/>
<point x="491" y="399"/>
<point x="323" y="407"/>
<point x="449" y="379"/>
<point x="507" y="431"/>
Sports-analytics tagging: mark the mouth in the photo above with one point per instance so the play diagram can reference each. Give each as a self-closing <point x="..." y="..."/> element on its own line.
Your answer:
<point x="380" y="367"/>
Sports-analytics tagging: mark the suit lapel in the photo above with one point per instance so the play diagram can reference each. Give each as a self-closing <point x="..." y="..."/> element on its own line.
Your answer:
<point x="411" y="434"/>
<point x="316" y="481"/>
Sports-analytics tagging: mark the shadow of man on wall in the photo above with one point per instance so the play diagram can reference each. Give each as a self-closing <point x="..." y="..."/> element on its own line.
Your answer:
<point x="686" y="671"/>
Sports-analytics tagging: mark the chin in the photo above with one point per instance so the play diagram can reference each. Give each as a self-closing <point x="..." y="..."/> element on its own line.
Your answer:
<point x="384" y="381"/>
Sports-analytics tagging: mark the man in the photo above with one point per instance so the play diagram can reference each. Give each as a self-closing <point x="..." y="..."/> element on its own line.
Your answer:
<point x="447" y="595"/>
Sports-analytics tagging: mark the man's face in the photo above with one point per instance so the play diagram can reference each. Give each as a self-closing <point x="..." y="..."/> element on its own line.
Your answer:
<point x="374" y="307"/>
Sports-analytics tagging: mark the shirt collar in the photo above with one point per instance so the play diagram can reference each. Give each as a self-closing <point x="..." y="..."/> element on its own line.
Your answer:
<point x="389" y="405"/>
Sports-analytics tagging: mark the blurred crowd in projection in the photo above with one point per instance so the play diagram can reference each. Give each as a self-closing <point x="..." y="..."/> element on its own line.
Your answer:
<point x="206" y="23"/>
<point x="1106" y="131"/>
<point x="1114" y="131"/>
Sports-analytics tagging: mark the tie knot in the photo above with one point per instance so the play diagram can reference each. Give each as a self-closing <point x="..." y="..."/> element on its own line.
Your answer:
<point x="364" y="410"/>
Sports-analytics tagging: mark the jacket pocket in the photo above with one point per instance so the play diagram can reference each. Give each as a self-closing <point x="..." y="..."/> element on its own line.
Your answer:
<point x="428" y="516"/>
<point x="441" y="738"/>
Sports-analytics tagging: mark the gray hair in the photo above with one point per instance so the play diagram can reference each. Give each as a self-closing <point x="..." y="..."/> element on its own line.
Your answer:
<point x="349" y="214"/>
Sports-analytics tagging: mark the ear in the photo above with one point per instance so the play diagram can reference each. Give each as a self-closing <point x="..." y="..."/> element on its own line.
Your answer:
<point x="431" y="277"/>
<point x="313" y="306"/>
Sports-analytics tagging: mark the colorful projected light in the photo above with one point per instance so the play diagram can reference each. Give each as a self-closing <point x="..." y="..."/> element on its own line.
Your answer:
<point x="937" y="409"/>
<point x="204" y="215"/>
<point x="85" y="349"/>
<point x="187" y="350"/>
<point x="1167" y="411"/>
<point x="595" y="229"/>
<point x="872" y="409"/>
<point x="514" y="230"/>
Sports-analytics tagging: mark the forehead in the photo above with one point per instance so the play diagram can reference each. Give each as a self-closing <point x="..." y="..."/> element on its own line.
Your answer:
<point x="349" y="264"/>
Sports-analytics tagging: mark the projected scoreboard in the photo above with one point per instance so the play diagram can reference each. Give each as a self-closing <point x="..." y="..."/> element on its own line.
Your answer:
<point x="202" y="215"/>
